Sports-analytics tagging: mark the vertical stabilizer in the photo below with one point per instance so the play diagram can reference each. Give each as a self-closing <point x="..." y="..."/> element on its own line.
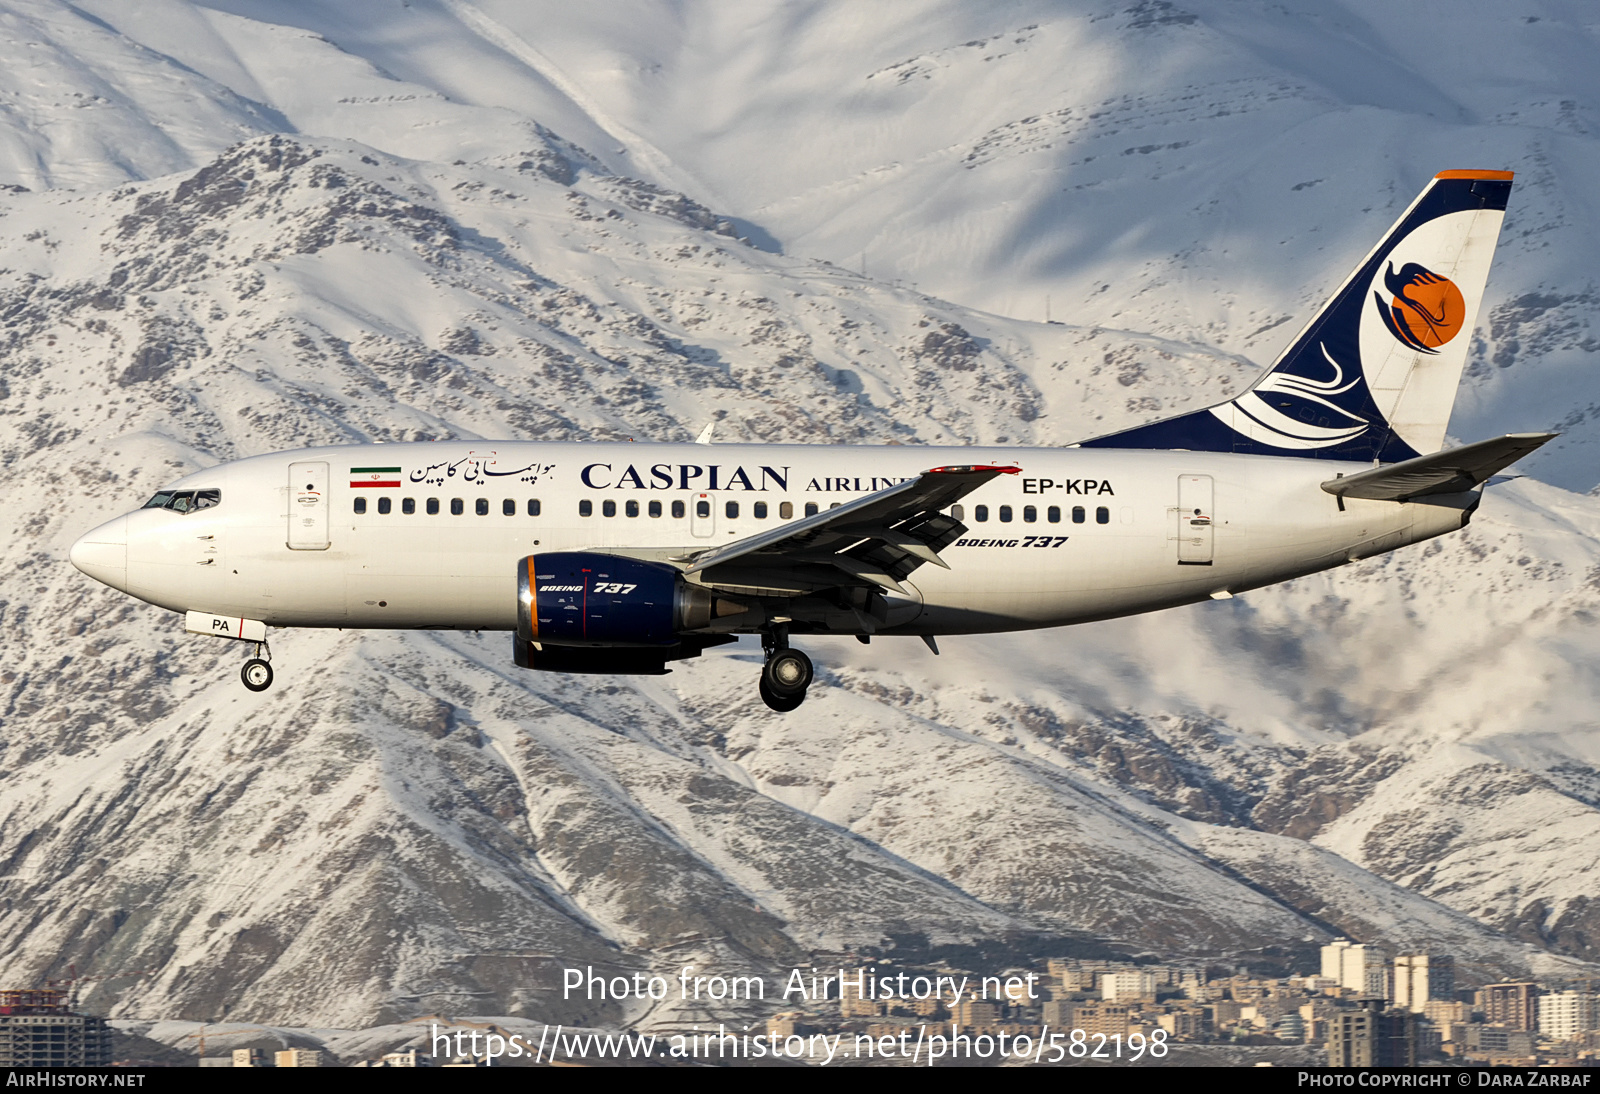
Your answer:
<point x="1373" y="376"/>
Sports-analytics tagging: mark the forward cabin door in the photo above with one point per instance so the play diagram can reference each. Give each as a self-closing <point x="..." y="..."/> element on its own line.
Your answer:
<point x="308" y="506"/>
<point x="1194" y="520"/>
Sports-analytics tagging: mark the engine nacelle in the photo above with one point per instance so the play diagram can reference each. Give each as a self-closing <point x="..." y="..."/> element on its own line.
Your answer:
<point x="585" y="598"/>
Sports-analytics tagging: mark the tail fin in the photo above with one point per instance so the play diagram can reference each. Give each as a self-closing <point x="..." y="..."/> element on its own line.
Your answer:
<point x="1373" y="376"/>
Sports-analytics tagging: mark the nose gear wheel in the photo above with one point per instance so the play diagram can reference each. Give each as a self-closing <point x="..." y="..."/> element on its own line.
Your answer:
<point x="256" y="674"/>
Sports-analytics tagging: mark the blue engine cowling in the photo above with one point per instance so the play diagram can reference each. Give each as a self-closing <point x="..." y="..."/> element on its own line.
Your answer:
<point x="585" y="598"/>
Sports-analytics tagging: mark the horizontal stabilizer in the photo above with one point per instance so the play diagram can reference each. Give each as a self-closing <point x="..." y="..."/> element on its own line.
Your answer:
<point x="1448" y="472"/>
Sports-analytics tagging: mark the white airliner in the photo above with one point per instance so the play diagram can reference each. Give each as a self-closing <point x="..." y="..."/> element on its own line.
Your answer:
<point x="618" y="558"/>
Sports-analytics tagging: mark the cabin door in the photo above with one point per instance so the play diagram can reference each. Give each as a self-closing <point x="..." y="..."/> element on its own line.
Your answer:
<point x="1194" y="520"/>
<point x="308" y="506"/>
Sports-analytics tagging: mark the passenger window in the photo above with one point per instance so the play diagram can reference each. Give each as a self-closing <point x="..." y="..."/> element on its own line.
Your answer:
<point x="834" y="505"/>
<point x="759" y="510"/>
<point x="433" y="507"/>
<point x="786" y="510"/>
<point x="1053" y="514"/>
<point x="408" y="506"/>
<point x="608" y="509"/>
<point x="457" y="507"/>
<point x="957" y="513"/>
<point x="1029" y="514"/>
<point x="631" y="508"/>
<point x="1077" y="514"/>
<point x="655" y="509"/>
<point x="586" y="508"/>
<point x="677" y="510"/>
<point x="811" y="508"/>
<point x="360" y="505"/>
<point x="731" y="509"/>
<point x="508" y="508"/>
<point x="385" y="504"/>
<point x="533" y="507"/>
<point x="702" y="508"/>
<point x="1005" y="514"/>
<point x="481" y="507"/>
<point x="1102" y="515"/>
<point x="980" y="513"/>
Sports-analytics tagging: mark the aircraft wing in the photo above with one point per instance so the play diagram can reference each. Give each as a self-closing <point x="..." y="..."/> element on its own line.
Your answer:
<point x="1447" y="472"/>
<point x="875" y="540"/>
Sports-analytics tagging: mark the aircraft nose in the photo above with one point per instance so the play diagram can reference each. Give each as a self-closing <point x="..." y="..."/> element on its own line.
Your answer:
<point x="102" y="553"/>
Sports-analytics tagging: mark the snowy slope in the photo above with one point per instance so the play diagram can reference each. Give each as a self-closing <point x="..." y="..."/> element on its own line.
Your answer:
<point x="1208" y="170"/>
<point x="443" y="224"/>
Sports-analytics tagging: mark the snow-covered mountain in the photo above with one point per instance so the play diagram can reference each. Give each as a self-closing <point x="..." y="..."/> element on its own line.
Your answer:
<point x="235" y="228"/>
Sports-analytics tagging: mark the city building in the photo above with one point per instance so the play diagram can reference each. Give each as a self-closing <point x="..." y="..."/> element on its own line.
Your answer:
<point x="1290" y="1027"/>
<point x="1128" y="985"/>
<point x="1446" y="1012"/>
<point x="298" y="1057"/>
<point x="854" y="1002"/>
<point x="976" y="1014"/>
<point x="1369" y="1035"/>
<point x="1361" y="968"/>
<point x="1058" y="1012"/>
<point x="1513" y="1005"/>
<point x="38" y="1029"/>
<point x="1499" y="1041"/>
<point x="1563" y="1015"/>
<point x="1419" y="978"/>
<point x="1111" y="1019"/>
<point x="1183" y="1025"/>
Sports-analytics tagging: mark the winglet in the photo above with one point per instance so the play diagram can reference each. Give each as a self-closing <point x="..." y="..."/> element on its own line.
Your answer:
<point x="705" y="434"/>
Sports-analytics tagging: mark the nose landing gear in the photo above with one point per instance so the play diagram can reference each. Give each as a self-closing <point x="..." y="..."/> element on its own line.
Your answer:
<point x="257" y="672"/>
<point x="786" y="675"/>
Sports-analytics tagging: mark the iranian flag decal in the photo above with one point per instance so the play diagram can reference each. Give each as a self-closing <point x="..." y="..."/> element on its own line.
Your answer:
<point x="363" y="477"/>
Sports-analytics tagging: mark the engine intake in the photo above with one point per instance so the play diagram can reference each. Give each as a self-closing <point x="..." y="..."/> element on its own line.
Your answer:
<point x="585" y="598"/>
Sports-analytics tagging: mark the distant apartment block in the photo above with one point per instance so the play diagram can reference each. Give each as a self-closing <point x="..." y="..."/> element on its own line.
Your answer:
<point x="1563" y="1015"/>
<point x="976" y="1014"/>
<point x="1111" y="1019"/>
<point x="38" y="1029"/>
<point x="1183" y="1025"/>
<point x="1127" y="985"/>
<point x="1371" y="1036"/>
<point x="1446" y="1012"/>
<point x="1361" y="968"/>
<point x="1513" y="1005"/>
<point x="298" y="1057"/>
<point x="1419" y="978"/>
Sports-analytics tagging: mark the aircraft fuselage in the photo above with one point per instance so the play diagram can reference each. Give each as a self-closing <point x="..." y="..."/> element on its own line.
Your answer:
<point x="429" y="535"/>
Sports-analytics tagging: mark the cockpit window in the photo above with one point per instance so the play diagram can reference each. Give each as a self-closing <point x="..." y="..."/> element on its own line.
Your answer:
<point x="185" y="501"/>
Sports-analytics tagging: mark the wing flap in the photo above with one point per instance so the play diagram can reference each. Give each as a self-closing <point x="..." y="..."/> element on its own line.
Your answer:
<point x="876" y="540"/>
<point x="1447" y="472"/>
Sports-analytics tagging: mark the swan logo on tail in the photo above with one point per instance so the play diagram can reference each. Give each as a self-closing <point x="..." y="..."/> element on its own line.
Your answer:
<point x="1425" y="310"/>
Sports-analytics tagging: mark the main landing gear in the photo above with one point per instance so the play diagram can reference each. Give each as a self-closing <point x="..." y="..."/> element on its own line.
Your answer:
<point x="787" y="672"/>
<point x="257" y="672"/>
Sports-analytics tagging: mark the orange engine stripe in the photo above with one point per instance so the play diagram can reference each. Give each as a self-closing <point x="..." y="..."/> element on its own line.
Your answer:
<point x="1502" y="176"/>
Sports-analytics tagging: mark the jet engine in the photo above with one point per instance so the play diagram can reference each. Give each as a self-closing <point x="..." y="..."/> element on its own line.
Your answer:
<point x="585" y="598"/>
